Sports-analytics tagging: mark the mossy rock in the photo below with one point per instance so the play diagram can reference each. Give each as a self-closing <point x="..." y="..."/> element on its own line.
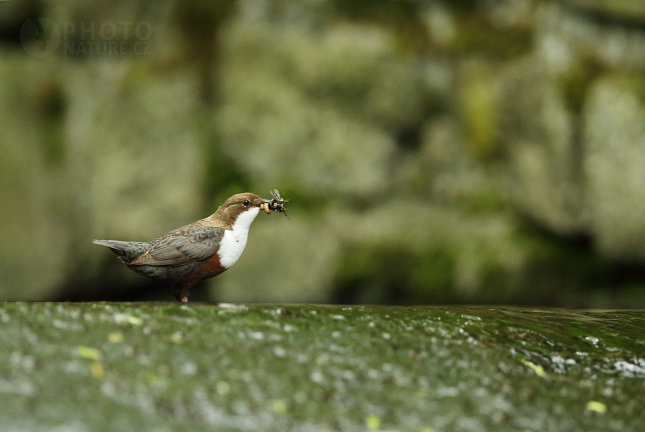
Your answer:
<point x="622" y="10"/>
<point x="166" y="367"/>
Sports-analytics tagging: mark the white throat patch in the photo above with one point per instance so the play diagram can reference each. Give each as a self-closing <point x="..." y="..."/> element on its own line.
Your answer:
<point x="234" y="240"/>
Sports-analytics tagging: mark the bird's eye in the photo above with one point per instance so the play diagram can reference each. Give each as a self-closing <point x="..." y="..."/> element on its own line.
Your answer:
<point x="246" y="203"/>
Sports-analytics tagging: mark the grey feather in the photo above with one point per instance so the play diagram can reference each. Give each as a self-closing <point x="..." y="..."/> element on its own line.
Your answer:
<point x="126" y="250"/>
<point x="181" y="247"/>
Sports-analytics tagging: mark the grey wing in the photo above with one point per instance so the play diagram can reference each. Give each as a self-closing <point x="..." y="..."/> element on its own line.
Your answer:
<point x="182" y="247"/>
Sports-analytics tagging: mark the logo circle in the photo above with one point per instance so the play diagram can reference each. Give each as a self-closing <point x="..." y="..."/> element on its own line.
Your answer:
<point x="39" y="36"/>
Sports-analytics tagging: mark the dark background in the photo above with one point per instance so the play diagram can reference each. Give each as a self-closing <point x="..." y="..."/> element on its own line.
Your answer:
<point x="433" y="151"/>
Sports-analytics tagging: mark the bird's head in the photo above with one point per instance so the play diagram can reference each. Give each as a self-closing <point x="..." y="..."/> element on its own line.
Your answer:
<point x="243" y="207"/>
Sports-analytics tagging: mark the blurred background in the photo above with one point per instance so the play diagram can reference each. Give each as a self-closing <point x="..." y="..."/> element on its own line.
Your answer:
<point x="487" y="151"/>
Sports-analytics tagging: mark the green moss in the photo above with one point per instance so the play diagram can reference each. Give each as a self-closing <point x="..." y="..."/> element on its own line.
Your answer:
<point x="387" y="273"/>
<point x="224" y="177"/>
<point x="488" y="199"/>
<point x="635" y="82"/>
<point x="576" y="81"/>
<point x="522" y="266"/>
<point x="475" y="35"/>
<point x="51" y="105"/>
<point x="377" y="273"/>
<point x="556" y="265"/>
<point x="480" y="113"/>
<point x="625" y="12"/>
<point x="386" y="9"/>
<point x="199" y="21"/>
<point x="151" y="366"/>
<point x="399" y="16"/>
<point x="432" y="277"/>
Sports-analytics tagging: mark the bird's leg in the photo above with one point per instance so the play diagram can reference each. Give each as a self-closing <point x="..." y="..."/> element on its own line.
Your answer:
<point x="182" y="291"/>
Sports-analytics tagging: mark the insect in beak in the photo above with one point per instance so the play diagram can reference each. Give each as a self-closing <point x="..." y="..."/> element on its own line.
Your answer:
<point x="276" y="204"/>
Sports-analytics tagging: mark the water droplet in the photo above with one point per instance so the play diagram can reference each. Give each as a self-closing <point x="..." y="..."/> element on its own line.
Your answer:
<point x="317" y="377"/>
<point x="231" y="308"/>
<point x="4" y="316"/>
<point x="322" y="359"/>
<point x="189" y="368"/>
<point x="288" y="328"/>
<point x="447" y="392"/>
<point x="25" y="388"/>
<point x="594" y="341"/>
<point x="256" y="335"/>
<point x="108" y="389"/>
<point x="123" y="318"/>
<point x="279" y="352"/>
<point x="629" y="369"/>
<point x="349" y="375"/>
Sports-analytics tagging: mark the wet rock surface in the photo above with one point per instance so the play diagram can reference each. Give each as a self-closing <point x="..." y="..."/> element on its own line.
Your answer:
<point x="162" y="367"/>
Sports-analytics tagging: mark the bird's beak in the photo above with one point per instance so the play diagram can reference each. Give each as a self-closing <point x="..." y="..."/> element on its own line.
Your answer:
<point x="265" y="206"/>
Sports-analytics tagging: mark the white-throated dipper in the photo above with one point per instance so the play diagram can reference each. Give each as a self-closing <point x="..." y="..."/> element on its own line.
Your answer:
<point x="198" y="251"/>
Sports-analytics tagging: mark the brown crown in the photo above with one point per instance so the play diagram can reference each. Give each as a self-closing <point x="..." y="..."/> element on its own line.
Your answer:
<point x="227" y="213"/>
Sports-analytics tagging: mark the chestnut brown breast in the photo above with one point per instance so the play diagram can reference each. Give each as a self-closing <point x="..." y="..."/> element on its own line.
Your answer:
<point x="212" y="266"/>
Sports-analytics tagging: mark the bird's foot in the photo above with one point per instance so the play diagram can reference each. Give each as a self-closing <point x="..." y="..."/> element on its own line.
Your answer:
<point x="181" y="293"/>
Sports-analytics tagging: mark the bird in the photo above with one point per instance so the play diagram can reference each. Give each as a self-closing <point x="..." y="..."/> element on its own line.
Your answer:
<point x="201" y="250"/>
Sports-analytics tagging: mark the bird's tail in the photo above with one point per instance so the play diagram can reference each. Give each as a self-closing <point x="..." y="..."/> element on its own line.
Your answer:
<point x="126" y="250"/>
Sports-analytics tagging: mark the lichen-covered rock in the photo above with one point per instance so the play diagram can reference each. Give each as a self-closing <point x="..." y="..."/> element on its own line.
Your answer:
<point x="403" y="248"/>
<point x="628" y="10"/>
<point x="392" y="126"/>
<point x="94" y="147"/>
<point x="443" y="170"/>
<point x="614" y="161"/>
<point x="34" y="229"/>
<point x="479" y="108"/>
<point x="543" y="161"/>
<point x="564" y="35"/>
<point x="315" y="109"/>
<point x="285" y="260"/>
<point x="135" y="159"/>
